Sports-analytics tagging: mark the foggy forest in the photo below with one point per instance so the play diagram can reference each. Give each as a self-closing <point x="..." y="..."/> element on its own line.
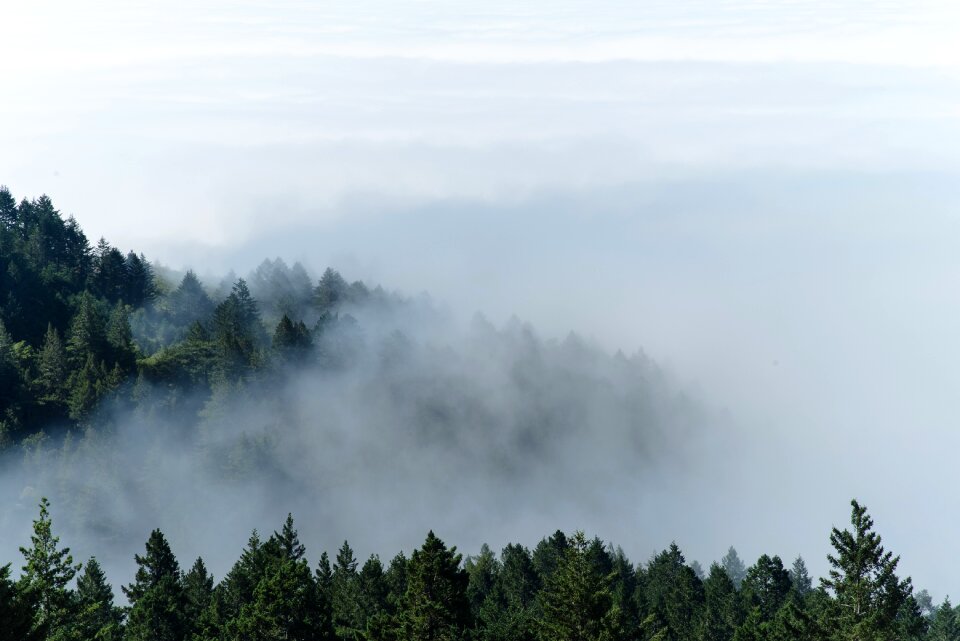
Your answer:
<point x="130" y="392"/>
<point x="448" y="320"/>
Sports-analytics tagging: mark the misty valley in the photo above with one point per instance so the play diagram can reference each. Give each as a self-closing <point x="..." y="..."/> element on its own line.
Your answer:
<point x="134" y="396"/>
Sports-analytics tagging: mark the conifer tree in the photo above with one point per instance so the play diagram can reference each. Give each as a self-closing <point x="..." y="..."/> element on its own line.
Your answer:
<point x="156" y="596"/>
<point x="435" y="605"/>
<point x="734" y="567"/>
<point x="345" y="588"/>
<point x="944" y="626"/>
<point x="575" y="599"/>
<point x="16" y="609"/>
<point x="47" y="573"/>
<point x="120" y="338"/>
<point x="766" y="586"/>
<point x="483" y="571"/>
<point x="722" y="603"/>
<point x="52" y="368"/>
<point x="97" y="618"/>
<point x="86" y="331"/>
<point x="197" y="592"/>
<point x="800" y="578"/>
<point x="868" y="595"/>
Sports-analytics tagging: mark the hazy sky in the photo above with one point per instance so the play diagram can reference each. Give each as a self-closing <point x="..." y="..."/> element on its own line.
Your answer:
<point x="762" y="195"/>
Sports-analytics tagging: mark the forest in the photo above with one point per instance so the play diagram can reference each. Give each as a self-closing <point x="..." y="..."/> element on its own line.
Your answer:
<point x="112" y="367"/>
<point x="568" y="588"/>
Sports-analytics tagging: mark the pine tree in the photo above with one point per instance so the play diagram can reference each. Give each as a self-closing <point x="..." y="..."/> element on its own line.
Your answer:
<point x="734" y="567"/>
<point x="483" y="571"/>
<point x="330" y="292"/>
<point x="86" y="331"/>
<point x="435" y="605"/>
<point x="345" y="588"/>
<point x="156" y="596"/>
<point x="868" y="595"/>
<point x="86" y="385"/>
<point x="52" y="368"/>
<point x="120" y="339"/>
<point x="197" y="593"/>
<point x="189" y="302"/>
<point x="16" y="609"/>
<point x="766" y="586"/>
<point x="800" y="578"/>
<point x="46" y="577"/>
<point x="674" y="595"/>
<point x="723" y="611"/>
<point x="944" y="626"/>
<point x="98" y="618"/>
<point x="575" y="598"/>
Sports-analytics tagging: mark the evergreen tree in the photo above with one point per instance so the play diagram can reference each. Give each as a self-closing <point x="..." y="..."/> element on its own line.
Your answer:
<point x="331" y="291"/>
<point x="197" y="593"/>
<point x="120" y="338"/>
<point x="435" y="605"/>
<point x="800" y="578"/>
<point x="723" y="612"/>
<point x="16" y="608"/>
<point x="46" y="576"/>
<point x="86" y="331"/>
<point x="944" y="626"/>
<point x="483" y="571"/>
<point x="575" y="598"/>
<point x="766" y="586"/>
<point x="156" y="596"/>
<point x="868" y="595"/>
<point x="98" y="618"/>
<point x="52" y="368"/>
<point x="345" y="588"/>
<point x="674" y="595"/>
<point x="86" y="385"/>
<point x="189" y="302"/>
<point x="734" y="567"/>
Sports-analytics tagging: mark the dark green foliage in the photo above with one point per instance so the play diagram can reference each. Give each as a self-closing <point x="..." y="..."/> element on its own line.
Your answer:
<point x="47" y="573"/>
<point x="944" y="626"/>
<point x="869" y="598"/>
<point x="673" y="595"/>
<point x="238" y="331"/>
<point x="157" y="599"/>
<point x="292" y="341"/>
<point x="97" y="617"/>
<point x="548" y="553"/>
<point x="435" y="605"/>
<point x="723" y="612"/>
<point x="592" y="592"/>
<point x="575" y="599"/>
<point x="16" y="607"/>
<point x="197" y="593"/>
<point x="766" y="586"/>
<point x="345" y="586"/>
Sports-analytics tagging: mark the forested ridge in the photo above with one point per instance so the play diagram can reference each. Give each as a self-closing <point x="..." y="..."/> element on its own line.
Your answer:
<point x="567" y="588"/>
<point x="125" y="387"/>
<point x="80" y="322"/>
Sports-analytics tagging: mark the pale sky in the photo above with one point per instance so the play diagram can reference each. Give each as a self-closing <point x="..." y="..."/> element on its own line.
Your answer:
<point x="762" y="195"/>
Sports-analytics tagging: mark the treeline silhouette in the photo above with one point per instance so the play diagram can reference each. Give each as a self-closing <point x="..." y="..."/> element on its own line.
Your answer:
<point x="568" y="588"/>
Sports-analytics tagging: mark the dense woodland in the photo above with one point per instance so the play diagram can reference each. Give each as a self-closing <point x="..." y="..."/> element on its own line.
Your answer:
<point x="92" y="338"/>
<point x="568" y="588"/>
<point x="79" y="322"/>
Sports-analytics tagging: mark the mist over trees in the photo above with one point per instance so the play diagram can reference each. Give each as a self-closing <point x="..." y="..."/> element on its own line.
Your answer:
<point x="568" y="587"/>
<point x="133" y="396"/>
